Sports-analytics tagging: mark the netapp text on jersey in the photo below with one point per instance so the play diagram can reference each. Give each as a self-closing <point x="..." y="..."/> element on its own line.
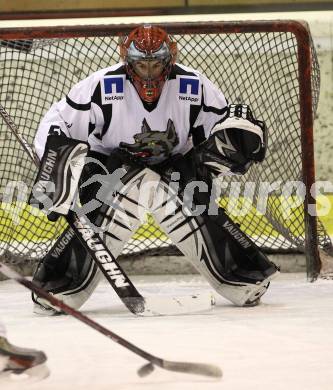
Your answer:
<point x="191" y="99"/>
<point x="114" y="97"/>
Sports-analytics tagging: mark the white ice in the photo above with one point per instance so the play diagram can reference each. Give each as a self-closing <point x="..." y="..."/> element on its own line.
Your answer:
<point x="285" y="343"/>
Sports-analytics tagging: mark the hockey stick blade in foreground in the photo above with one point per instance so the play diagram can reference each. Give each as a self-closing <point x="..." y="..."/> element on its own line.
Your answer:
<point x="117" y="278"/>
<point x="184" y="367"/>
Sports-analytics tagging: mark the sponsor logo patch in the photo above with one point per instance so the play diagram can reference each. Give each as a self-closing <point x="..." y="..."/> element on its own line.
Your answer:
<point x="113" y="89"/>
<point x="189" y="89"/>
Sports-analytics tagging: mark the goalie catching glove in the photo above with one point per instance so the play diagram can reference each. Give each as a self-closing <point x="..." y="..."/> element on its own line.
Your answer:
<point x="59" y="173"/>
<point x="234" y="144"/>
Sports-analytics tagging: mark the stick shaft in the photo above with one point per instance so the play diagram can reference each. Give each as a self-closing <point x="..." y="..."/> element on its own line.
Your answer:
<point x="11" y="274"/>
<point x="184" y="367"/>
<point x="14" y="129"/>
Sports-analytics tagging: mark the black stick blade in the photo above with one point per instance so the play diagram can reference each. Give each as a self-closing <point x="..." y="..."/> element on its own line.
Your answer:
<point x="193" y="368"/>
<point x="146" y="370"/>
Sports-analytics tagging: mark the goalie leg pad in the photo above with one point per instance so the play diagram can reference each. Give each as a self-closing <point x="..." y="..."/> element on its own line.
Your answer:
<point x="231" y="263"/>
<point x="227" y="269"/>
<point x="68" y="271"/>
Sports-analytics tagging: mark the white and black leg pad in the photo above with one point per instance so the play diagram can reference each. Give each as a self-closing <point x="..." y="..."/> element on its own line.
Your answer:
<point x="67" y="271"/>
<point x="59" y="173"/>
<point x="227" y="258"/>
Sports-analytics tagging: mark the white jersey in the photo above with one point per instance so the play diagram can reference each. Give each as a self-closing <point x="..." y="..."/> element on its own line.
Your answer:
<point x="105" y="109"/>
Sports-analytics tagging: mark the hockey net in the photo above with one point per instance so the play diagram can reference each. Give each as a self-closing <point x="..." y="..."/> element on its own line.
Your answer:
<point x="257" y="63"/>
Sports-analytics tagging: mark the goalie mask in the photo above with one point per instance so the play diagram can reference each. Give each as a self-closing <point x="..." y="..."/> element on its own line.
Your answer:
<point x="148" y="54"/>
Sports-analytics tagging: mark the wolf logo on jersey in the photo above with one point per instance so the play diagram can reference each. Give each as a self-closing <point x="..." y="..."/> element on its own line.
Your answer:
<point x="153" y="145"/>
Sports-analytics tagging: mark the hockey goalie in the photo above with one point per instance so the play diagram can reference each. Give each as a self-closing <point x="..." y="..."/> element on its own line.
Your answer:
<point x="147" y="120"/>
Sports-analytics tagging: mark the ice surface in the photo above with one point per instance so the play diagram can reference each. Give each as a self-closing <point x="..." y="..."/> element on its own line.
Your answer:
<point x="285" y="343"/>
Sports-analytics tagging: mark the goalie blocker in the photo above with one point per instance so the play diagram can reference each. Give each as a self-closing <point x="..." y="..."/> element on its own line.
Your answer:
<point x="58" y="176"/>
<point x="217" y="247"/>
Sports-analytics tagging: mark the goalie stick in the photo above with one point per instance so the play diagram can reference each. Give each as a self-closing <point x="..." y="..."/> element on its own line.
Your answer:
<point x="117" y="278"/>
<point x="184" y="367"/>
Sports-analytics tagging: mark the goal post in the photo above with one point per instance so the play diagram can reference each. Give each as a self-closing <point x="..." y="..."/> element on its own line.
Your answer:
<point x="270" y="65"/>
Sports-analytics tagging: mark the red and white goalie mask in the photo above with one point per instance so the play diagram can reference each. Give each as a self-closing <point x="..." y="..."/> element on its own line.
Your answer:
<point x="148" y="54"/>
